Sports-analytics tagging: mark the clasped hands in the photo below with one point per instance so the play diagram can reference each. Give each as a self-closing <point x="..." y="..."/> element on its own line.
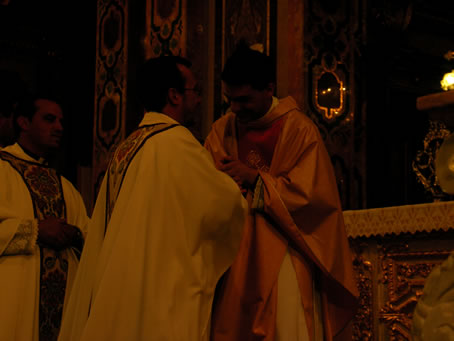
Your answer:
<point x="56" y="234"/>
<point x="243" y="175"/>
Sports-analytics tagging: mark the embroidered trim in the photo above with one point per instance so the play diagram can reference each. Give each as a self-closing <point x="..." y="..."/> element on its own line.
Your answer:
<point x="122" y="158"/>
<point x="258" y="203"/>
<point x="44" y="185"/>
<point x="46" y="192"/>
<point x="24" y="241"/>
<point x="54" y="269"/>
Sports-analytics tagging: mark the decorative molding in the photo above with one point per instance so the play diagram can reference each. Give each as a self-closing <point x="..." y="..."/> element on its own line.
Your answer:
<point x="110" y="84"/>
<point x="400" y="219"/>
<point x="363" y="323"/>
<point x="333" y="40"/>
<point x="248" y="20"/>
<point x="424" y="163"/>
<point x="252" y="21"/>
<point x="403" y="273"/>
<point x="165" y="28"/>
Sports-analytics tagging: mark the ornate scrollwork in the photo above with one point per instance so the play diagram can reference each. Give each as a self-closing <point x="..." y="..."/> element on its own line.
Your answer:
<point x="403" y="276"/>
<point x="424" y="164"/>
<point x="363" y="323"/>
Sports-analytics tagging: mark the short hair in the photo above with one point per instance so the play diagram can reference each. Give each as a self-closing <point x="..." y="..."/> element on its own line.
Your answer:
<point x="13" y="90"/>
<point x="28" y="108"/>
<point x="156" y="76"/>
<point x="249" y="67"/>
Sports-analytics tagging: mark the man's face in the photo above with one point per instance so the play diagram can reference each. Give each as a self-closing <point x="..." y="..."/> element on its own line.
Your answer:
<point x="247" y="103"/>
<point x="45" y="129"/>
<point x="191" y="95"/>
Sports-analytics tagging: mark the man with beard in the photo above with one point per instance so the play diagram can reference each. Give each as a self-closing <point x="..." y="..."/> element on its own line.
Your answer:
<point x="166" y="225"/>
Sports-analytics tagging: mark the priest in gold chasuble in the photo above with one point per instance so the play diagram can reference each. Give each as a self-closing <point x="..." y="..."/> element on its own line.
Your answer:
<point x="292" y="279"/>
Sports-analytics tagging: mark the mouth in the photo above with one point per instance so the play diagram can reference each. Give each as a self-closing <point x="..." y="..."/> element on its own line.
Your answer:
<point x="56" y="138"/>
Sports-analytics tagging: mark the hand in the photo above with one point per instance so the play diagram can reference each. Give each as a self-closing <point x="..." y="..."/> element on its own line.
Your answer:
<point x="75" y="236"/>
<point x="243" y="175"/>
<point x="55" y="233"/>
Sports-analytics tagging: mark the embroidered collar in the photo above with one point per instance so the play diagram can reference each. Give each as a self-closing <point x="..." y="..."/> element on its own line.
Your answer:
<point x="19" y="152"/>
<point x="35" y="157"/>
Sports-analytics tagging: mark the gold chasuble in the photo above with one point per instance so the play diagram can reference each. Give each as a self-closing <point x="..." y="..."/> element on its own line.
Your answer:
<point x="294" y="226"/>
<point x="46" y="193"/>
<point x="122" y="158"/>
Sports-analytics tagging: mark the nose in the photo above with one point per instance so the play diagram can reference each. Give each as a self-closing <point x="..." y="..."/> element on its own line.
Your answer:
<point x="58" y="126"/>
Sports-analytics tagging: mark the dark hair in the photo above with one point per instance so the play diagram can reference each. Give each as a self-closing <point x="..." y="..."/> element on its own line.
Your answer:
<point x="156" y="77"/>
<point x="27" y="108"/>
<point x="249" y="67"/>
<point x="12" y="91"/>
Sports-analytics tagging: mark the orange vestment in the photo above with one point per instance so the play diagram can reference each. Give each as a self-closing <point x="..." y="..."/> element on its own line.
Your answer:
<point x="300" y="211"/>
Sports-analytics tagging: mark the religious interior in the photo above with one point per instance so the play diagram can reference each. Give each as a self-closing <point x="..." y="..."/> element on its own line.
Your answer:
<point x="373" y="75"/>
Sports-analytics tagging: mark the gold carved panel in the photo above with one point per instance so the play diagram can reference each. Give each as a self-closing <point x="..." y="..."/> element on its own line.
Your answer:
<point x="390" y="272"/>
<point x="363" y="267"/>
<point x="403" y="274"/>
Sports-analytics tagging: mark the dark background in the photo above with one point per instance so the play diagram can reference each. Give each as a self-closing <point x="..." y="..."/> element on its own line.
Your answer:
<point x="52" y="45"/>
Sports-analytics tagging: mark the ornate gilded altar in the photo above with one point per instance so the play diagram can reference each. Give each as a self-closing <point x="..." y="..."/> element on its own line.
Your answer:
<point x="394" y="250"/>
<point x="440" y="109"/>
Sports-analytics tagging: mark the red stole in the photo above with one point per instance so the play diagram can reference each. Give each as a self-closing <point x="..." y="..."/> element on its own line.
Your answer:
<point x="256" y="144"/>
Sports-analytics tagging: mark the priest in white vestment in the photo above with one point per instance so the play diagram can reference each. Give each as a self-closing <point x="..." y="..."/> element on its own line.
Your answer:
<point x="165" y="227"/>
<point x="42" y="220"/>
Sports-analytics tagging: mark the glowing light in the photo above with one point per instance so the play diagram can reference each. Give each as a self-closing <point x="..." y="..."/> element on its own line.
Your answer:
<point x="447" y="83"/>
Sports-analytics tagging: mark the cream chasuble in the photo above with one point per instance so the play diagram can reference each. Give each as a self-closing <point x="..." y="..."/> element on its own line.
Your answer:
<point x="33" y="280"/>
<point x="160" y="238"/>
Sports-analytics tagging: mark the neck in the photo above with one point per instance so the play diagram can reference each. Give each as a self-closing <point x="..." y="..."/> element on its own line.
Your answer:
<point x="173" y="113"/>
<point x="31" y="149"/>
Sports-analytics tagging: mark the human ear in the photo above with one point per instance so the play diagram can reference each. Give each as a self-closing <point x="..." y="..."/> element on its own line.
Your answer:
<point x="271" y="87"/>
<point x="174" y="97"/>
<point x="23" y="122"/>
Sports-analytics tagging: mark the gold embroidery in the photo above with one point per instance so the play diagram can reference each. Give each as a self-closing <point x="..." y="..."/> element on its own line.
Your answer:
<point x="24" y="241"/>
<point x="44" y="185"/>
<point x="123" y="156"/>
<point x="254" y="160"/>
<point x="258" y="202"/>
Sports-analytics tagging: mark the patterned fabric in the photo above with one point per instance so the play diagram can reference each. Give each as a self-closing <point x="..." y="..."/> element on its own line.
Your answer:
<point x="122" y="158"/>
<point x="258" y="202"/>
<point x="400" y="219"/>
<point x="54" y="269"/>
<point x="44" y="185"/>
<point x="24" y="241"/>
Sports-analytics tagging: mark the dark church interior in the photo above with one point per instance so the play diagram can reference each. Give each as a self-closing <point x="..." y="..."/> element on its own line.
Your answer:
<point x="382" y="56"/>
